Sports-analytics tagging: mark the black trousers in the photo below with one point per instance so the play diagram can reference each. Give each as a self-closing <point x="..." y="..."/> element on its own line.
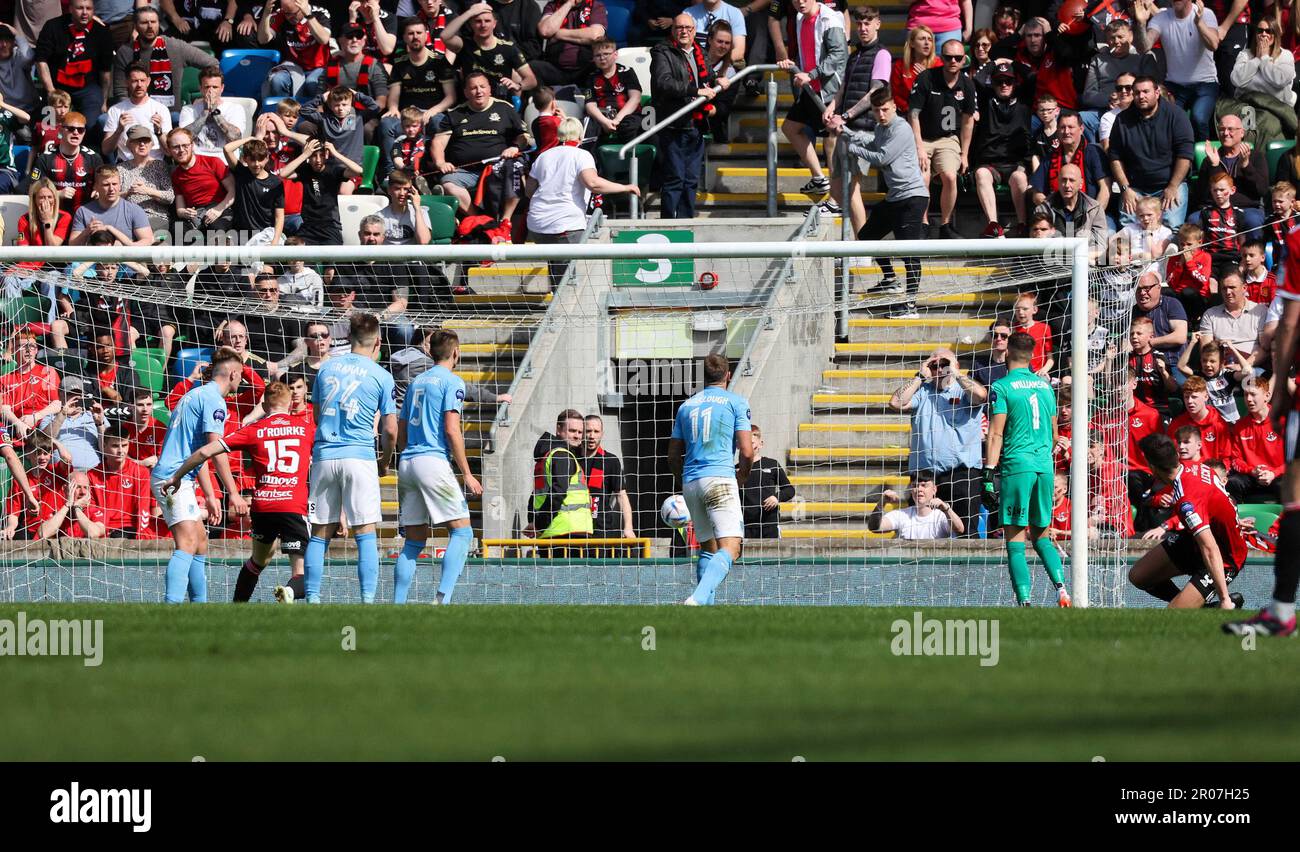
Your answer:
<point x="903" y="219"/>
<point x="960" y="488"/>
<point x="1244" y="489"/>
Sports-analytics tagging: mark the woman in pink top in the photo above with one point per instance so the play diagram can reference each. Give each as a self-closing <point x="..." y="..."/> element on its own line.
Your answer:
<point x="947" y="19"/>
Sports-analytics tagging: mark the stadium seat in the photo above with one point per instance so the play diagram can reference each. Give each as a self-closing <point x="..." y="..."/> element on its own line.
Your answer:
<point x="448" y="200"/>
<point x="354" y="208"/>
<point x="204" y="46"/>
<point x="12" y="208"/>
<point x="247" y="71"/>
<point x="161" y="412"/>
<point x="1273" y="153"/>
<point x="187" y="358"/>
<point x="369" y="163"/>
<point x="1199" y="155"/>
<point x="189" y="86"/>
<point x="268" y="103"/>
<point x="1263" y="513"/>
<point x="638" y="60"/>
<point x="22" y="155"/>
<point x="612" y="168"/>
<point x="250" y="110"/>
<point x="149" y="370"/>
<point x="620" y="19"/>
<point x="442" y="224"/>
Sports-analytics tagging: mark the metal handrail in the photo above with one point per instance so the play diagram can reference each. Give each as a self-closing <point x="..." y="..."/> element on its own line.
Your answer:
<point x="548" y="318"/>
<point x="744" y="367"/>
<point x="634" y="168"/>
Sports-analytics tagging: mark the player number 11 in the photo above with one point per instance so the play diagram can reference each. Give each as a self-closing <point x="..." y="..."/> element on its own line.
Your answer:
<point x="696" y="417"/>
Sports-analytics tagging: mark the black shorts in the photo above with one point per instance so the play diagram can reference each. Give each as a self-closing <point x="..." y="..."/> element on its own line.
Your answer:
<point x="1181" y="549"/>
<point x="1002" y="172"/>
<point x="289" y="528"/>
<point x="808" y="111"/>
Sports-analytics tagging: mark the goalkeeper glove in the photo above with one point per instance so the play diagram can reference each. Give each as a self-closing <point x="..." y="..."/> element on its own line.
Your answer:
<point x="989" y="499"/>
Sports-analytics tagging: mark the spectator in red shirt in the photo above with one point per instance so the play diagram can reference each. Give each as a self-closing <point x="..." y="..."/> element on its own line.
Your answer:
<point x="1258" y="460"/>
<point x="73" y="514"/>
<point x="1189" y="273"/>
<point x="1216" y="435"/>
<point x="1141" y="420"/>
<point x="918" y="54"/>
<point x="29" y="393"/>
<point x="1022" y="316"/>
<point x="205" y="188"/>
<point x="1149" y="366"/>
<point x="46" y="478"/>
<point x="1261" y="285"/>
<point x="302" y="34"/>
<point x="145" y="432"/>
<point x="121" y="488"/>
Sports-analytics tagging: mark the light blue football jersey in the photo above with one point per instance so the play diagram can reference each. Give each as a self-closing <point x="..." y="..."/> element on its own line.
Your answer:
<point x="707" y="423"/>
<point x="433" y="393"/>
<point x="202" y="410"/>
<point x="349" y="391"/>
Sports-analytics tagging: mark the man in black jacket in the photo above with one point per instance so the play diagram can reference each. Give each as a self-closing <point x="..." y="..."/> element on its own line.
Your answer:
<point x="75" y="54"/>
<point x="765" y="490"/>
<point x="1001" y="149"/>
<point x="679" y="73"/>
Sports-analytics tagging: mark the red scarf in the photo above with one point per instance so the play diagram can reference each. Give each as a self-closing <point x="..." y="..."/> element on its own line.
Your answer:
<point x="702" y="114"/>
<point x="1056" y="162"/>
<point x="160" y="69"/>
<point x="73" y="73"/>
<point x="363" y="76"/>
<point x="412" y="153"/>
<point x="434" y="28"/>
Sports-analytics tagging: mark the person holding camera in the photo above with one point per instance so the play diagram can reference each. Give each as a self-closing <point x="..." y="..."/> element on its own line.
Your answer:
<point x="947" y="430"/>
<point x="928" y="517"/>
<point x="78" y="424"/>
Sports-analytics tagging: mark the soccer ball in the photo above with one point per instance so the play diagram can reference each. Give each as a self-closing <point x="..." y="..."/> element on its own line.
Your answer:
<point x="674" y="512"/>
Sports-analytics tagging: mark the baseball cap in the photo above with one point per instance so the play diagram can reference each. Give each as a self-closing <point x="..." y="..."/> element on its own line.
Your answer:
<point x="354" y="31"/>
<point x="1002" y="74"/>
<point x="138" y="131"/>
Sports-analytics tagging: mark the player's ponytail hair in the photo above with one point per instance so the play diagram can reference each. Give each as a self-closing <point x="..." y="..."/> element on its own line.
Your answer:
<point x="277" y="395"/>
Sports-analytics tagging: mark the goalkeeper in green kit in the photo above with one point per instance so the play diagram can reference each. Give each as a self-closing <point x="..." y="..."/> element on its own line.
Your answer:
<point x="1022" y="432"/>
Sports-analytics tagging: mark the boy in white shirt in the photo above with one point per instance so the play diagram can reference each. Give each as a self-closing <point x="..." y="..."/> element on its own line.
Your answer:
<point x="926" y="519"/>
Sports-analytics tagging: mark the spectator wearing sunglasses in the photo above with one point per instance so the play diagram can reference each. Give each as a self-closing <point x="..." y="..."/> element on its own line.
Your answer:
<point x="992" y="365"/>
<point x="1117" y="59"/>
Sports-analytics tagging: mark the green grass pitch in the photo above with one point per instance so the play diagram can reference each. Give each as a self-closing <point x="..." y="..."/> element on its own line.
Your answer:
<point x="264" y="682"/>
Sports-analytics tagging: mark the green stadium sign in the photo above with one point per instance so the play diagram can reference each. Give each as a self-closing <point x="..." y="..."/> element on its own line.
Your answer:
<point x="654" y="272"/>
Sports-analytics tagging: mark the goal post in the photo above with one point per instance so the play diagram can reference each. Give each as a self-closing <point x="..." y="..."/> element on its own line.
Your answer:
<point x="628" y="346"/>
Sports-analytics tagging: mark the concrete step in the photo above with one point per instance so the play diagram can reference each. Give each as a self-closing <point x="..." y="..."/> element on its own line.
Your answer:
<point x="505" y="301"/>
<point x="960" y="324"/>
<point x="480" y="330"/>
<point x="754" y="150"/>
<point x="844" y="457"/>
<point x="757" y="200"/>
<point x="890" y="353"/>
<point x="869" y="380"/>
<point x="850" y="403"/>
<point x="800" y="511"/>
<point x="743" y="179"/>
<point x="859" y="534"/>
<point x="868" y="435"/>
<point x="852" y="486"/>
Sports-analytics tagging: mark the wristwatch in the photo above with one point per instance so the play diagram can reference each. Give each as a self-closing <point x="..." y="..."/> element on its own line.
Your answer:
<point x="230" y="21"/>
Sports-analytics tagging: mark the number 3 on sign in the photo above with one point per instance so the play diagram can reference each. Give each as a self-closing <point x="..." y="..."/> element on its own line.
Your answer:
<point x="662" y="268"/>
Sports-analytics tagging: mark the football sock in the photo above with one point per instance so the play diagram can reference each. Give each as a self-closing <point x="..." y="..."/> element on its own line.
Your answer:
<point x="404" y="570"/>
<point x="299" y="587"/>
<point x="367" y="565"/>
<point x="1051" y="557"/>
<point x="199" y="578"/>
<point x="1019" y="567"/>
<point x="700" y="564"/>
<point x="1286" y="564"/>
<point x="178" y="576"/>
<point x="1166" y="591"/>
<point x="453" y="561"/>
<point x="314" y="567"/>
<point x="247" y="581"/>
<point x="714" y="573"/>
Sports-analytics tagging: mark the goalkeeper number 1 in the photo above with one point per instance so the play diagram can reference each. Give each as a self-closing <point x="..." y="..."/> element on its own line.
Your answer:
<point x="1022" y="432"/>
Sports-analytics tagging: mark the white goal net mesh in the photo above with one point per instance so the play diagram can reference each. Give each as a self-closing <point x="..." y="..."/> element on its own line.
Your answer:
<point x="621" y="342"/>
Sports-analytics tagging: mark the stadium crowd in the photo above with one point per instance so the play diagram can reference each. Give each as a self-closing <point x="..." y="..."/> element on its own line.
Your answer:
<point x="1139" y="127"/>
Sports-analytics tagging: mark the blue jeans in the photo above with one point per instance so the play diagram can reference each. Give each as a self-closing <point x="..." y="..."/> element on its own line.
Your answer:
<point x="390" y="129"/>
<point x="281" y="85"/>
<point x="681" y="152"/>
<point x="1199" y="98"/>
<point x="940" y="38"/>
<point x="1174" y="217"/>
<point x="1091" y="124"/>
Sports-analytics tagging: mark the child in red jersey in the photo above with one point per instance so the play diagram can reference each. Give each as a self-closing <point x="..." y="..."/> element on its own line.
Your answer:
<point x="121" y="488"/>
<point x="1149" y="366"/>
<point x="1188" y="273"/>
<point x="280" y="445"/>
<point x="1022" y="316"/>
<point x="1259" y="457"/>
<point x="1261" y="285"/>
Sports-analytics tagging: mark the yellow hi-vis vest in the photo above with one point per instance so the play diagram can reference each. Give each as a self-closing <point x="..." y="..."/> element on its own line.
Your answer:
<point x="574" y="516"/>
